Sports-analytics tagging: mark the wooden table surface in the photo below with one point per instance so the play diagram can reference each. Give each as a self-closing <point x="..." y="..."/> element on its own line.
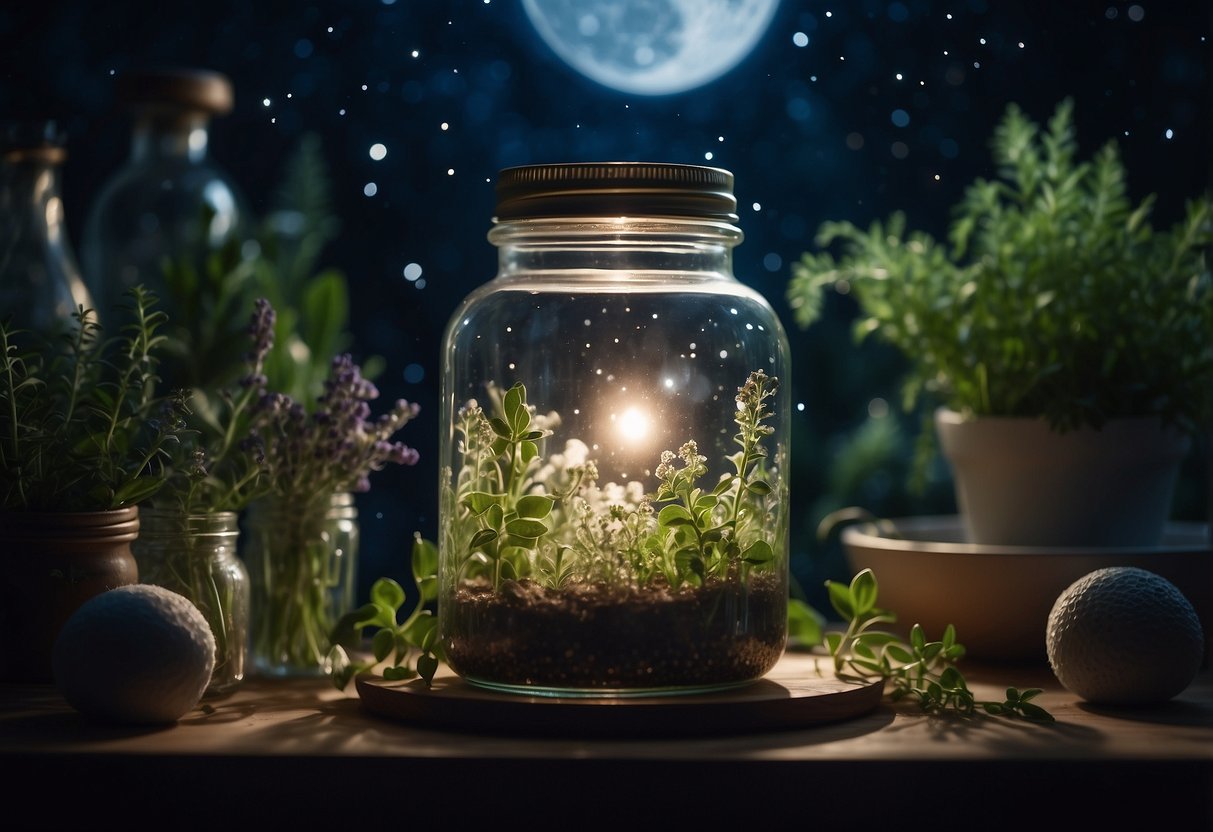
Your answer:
<point x="301" y="754"/>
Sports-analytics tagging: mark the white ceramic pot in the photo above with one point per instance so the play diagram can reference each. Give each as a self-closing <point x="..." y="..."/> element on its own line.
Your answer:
<point x="1020" y="483"/>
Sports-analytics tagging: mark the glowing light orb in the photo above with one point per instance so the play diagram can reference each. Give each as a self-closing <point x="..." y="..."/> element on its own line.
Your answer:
<point x="633" y="425"/>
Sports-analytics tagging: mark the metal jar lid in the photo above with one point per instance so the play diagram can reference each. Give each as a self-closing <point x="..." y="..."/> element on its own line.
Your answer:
<point x="610" y="189"/>
<point x="176" y="90"/>
<point x="32" y="140"/>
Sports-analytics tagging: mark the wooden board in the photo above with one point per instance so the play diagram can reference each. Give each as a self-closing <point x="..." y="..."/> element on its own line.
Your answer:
<point x="800" y="692"/>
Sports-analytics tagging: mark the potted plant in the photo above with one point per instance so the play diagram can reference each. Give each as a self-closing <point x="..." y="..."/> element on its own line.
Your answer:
<point x="1068" y="344"/>
<point x="83" y="439"/>
<point x="303" y="533"/>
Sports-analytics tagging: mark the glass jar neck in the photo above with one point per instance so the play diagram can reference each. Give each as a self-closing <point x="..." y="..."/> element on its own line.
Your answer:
<point x="162" y="523"/>
<point x="181" y="136"/>
<point x="625" y="245"/>
<point x="30" y="190"/>
<point x="273" y="510"/>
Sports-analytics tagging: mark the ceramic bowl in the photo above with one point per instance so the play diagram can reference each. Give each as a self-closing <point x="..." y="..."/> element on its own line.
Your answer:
<point x="999" y="597"/>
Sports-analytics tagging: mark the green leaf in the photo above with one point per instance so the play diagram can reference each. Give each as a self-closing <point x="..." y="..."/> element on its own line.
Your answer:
<point x="480" y="501"/>
<point x="515" y="407"/>
<point x="758" y="552"/>
<point x="528" y="450"/>
<point x="424" y="559"/>
<point x="674" y="515"/>
<point x="516" y="560"/>
<point x="387" y="594"/>
<point x="863" y="592"/>
<point x="951" y="678"/>
<point x="399" y="673"/>
<point x="759" y="487"/>
<point x="495" y="516"/>
<point x="417" y="631"/>
<point x="382" y="644"/>
<point x="535" y="506"/>
<point x="1034" y="711"/>
<point x="840" y="599"/>
<point x="427" y="666"/>
<point x="726" y="480"/>
<point x="326" y="311"/>
<point x="899" y="653"/>
<point x="482" y="538"/>
<point x="526" y="528"/>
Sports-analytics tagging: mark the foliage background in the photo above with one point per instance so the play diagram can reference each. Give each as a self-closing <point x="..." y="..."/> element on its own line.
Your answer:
<point x="812" y="134"/>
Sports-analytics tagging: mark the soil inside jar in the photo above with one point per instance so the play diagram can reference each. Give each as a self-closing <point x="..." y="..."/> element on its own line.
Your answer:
<point x="604" y="637"/>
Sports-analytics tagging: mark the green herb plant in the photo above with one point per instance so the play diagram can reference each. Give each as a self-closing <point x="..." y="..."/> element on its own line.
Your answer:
<point x="916" y="669"/>
<point x="81" y="427"/>
<point x="404" y="649"/>
<point x="1053" y="296"/>
<point x="220" y="464"/>
<point x="514" y="515"/>
<point x="279" y="262"/>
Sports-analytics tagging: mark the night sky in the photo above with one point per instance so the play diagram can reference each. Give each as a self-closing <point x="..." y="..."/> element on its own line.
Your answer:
<point x="844" y="110"/>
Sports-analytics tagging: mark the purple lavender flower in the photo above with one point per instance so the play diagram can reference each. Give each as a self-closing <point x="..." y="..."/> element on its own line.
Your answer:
<point x="339" y="443"/>
<point x="261" y="330"/>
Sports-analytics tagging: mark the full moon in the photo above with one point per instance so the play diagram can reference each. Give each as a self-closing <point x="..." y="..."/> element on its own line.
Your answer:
<point x="651" y="47"/>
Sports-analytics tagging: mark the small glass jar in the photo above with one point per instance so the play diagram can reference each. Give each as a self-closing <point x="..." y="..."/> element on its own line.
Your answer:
<point x="40" y="282"/>
<point x="614" y="447"/>
<point x="195" y="555"/>
<point x="302" y="560"/>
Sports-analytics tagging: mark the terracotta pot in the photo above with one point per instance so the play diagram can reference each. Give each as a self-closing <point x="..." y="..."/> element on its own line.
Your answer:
<point x="1020" y="483"/>
<point x="50" y="564"/>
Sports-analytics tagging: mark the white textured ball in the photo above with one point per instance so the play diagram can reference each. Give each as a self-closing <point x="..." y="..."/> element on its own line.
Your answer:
<point x="135" y="654"/>
<point x="1124" y="636"/>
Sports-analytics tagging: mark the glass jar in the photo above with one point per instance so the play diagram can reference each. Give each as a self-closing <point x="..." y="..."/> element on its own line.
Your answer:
<point x="195" y="555"/>
<point x="169" y="205"/>
<point x="614" y="448"/>
<point x="302" y="560"/>
<point x="40" y="282"/>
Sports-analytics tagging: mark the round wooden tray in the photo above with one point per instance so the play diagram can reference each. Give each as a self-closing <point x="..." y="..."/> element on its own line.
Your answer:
<point x="801" y="691"/>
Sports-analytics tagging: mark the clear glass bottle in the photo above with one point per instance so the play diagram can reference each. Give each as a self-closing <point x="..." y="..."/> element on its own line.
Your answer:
<point x="614" y="446"/>
<point x="303" y="563"/>
<point x="40" y="281"/>
<point x="195" y="555"/>
<point x="170" y="203"/>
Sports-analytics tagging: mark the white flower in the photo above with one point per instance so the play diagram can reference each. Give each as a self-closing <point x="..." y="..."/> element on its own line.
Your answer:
<point x="575" y="453"/>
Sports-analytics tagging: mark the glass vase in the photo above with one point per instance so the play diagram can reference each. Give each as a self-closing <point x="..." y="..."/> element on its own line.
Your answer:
<point x="614" y="446"/>
<point x="302" y="560"/>
<point x="195" y="555"/>
<point x="40" y="282"/>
